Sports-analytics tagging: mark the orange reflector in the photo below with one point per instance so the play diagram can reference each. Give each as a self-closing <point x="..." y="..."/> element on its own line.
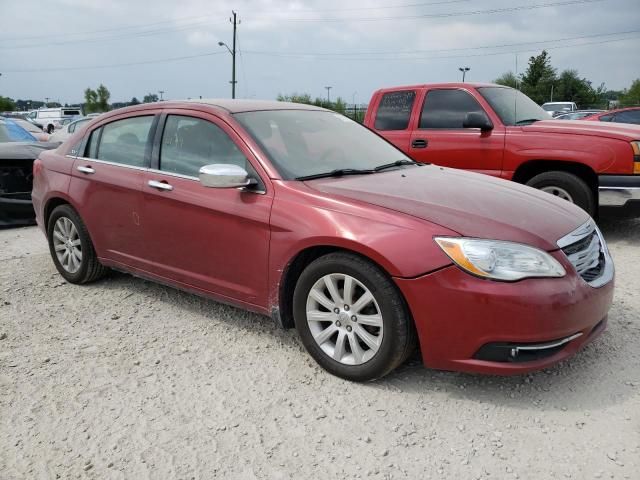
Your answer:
<point x="636" y="167"/>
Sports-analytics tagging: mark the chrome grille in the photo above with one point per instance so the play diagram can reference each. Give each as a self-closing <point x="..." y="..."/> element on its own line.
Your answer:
<point x="587" y="252"/>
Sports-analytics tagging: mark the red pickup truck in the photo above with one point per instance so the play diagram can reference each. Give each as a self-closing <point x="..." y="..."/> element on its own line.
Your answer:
<point x="500" y="131"/>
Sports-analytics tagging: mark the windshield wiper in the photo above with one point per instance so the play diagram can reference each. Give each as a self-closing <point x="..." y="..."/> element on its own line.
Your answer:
<point x="339" y="172"/>
<point x="397" y="163"/>
<point x="528" y="121"/>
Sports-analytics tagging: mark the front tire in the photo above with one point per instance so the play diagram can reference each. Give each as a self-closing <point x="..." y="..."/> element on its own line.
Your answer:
<point x="566" y="186"/>
<point x="352" y="318"/>
<point x="71" y="248"/>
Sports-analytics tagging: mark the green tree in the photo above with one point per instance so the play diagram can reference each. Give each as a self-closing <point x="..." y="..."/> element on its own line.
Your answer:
<point x="134" y="101"/>
<point x="631" y="96"/>
<point x="295" y="98"/>
<point x="90" y="101"/>
<point x="103" y="98"/>
<point x="539" y="77"/>
<point x="7" y="104"/>
<point x="570" y="87"/>
<point x="150" y="98"/>
<point x="507" y="79"/>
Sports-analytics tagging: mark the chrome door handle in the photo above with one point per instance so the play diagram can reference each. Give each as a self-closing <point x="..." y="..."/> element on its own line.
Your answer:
<point x="160" y="185"/>
<point x="87" y="170"/>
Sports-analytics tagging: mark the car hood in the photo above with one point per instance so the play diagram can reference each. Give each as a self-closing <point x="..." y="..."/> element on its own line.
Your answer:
<point x="24" y="150"/>
<point x="621" y="131"/>
<point x="470" y="204"/>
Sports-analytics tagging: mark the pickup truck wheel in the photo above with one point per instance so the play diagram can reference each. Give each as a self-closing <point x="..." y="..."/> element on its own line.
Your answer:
<point x="352" y="318"/>
<point x="567" y="186"/>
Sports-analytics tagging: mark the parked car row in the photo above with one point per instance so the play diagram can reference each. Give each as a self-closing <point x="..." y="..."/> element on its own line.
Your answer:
<point x="360" y="238"/>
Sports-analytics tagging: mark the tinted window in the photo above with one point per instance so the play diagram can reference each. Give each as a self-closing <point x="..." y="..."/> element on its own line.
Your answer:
<point x="125" y="141"/>
<point x="394" y="110"/>
<point x="512" y="106"/>
<point x="447" y="108"/>
<point x="190" y="143"/>
<point x="628" y="116"/>
<point x="606" y="118"/>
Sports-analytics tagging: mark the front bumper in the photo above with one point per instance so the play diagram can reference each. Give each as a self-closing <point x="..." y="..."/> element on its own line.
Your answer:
<point x="618" y="190"/>
<point x="457" y="315"/>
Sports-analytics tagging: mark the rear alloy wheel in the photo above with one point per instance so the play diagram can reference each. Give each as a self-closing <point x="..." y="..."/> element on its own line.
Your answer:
<point x="71" y="248"/>
<point x="566" y="186"/>
<point x="351" y="317"/>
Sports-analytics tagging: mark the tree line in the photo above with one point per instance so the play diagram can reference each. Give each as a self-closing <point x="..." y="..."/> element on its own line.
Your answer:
<point x="542" y="83"/>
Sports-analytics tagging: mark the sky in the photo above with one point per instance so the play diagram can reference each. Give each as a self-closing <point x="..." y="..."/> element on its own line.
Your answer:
<point x="58" y="48"/>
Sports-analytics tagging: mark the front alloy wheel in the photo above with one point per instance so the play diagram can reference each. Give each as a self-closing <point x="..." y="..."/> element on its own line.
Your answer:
<point x="351" y="317"/>
<point x="344" y="319"/>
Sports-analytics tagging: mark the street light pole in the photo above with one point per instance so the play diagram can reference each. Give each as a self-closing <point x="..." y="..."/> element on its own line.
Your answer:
<point x="161" y="92"/>
<point x="234" y="20"/>
<point x="464" y="71"/>
<point x="328" y="96"/>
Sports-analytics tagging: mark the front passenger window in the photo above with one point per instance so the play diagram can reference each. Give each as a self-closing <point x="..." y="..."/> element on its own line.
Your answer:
<point x="190" y="143"/>
<point x="447" y="109"/>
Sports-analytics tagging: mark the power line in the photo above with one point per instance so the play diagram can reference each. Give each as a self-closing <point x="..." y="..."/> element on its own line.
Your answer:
<point x="209" y="15"/>
<point x="443" y="15"/>
<point x="129" y="64"/>
<point x="437" y="50"/>
<point x="277" y="54"/>
<point x="202" y="22"/>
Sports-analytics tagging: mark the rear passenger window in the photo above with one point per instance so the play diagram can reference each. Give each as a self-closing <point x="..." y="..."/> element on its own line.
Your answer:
<point x="190" y="143"/>
<point x="123" y="141"/>
<point x="394" y="110"/>
<point x="447" y="108"/>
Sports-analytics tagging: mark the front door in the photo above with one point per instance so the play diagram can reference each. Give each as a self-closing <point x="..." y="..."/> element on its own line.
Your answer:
<point x="440" y="138"/>
<point x="213" y="239"/>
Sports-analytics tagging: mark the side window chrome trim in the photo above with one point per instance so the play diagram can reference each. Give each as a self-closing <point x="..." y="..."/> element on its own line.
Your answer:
<point x="104" y="162"/>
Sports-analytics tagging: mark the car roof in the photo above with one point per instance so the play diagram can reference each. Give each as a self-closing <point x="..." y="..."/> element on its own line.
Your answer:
<point x="222" y="105"/>
<point x="441" y="85"/>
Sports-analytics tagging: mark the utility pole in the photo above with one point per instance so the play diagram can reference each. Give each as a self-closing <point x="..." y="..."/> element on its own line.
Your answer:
<point x="328" y="96"/>
<point x="235" y="21"/>
<point x="160" y="92"/>
<point x="551" y="99"/>
<point x="46" y="101"/>
<point x="233" y="55"/>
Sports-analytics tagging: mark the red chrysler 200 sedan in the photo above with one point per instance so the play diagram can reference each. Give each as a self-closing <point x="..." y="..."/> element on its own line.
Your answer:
<point x="300" y="213"/>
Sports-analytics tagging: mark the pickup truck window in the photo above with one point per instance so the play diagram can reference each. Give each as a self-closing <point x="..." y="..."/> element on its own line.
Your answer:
<point x="394" y="110"/>
<point x="447" y="108"/>
<point x="512" y="106"/>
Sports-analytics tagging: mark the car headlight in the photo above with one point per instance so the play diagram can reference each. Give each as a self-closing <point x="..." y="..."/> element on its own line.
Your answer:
<point x="499" y="260"/>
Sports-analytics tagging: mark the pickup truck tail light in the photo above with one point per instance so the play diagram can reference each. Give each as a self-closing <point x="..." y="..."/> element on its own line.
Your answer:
<point x="636" y="156"/>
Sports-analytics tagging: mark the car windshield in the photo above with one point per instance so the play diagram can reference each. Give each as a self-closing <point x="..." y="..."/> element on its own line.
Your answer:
<point x="301" y="143"/>
<point x="512" y="106"/>
<point x="12" y="132"/>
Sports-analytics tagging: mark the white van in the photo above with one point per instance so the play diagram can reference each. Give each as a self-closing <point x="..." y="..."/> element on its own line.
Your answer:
<point x="50" y="118"/>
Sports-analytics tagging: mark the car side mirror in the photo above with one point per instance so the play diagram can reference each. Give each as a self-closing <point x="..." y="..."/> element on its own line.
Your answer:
<point x="477" y="120"/>
<point x="224" y="175"/>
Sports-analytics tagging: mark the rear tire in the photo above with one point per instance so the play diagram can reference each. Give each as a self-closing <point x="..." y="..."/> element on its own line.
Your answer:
<point x="567" y="186"/>
<point x="71" y="248"/>
<point x="377" y="335"/>
<point x="50" y="129"/>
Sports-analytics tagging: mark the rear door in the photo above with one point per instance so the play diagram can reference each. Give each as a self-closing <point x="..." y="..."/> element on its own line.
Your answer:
<point x="213" y="239"/>
<point x="440" y="138"/>
<point x="106" y="186"/>
<point x="393" y="114"/>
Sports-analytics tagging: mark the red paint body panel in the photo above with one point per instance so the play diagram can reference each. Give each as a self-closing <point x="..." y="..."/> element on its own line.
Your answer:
<point x="456" y="314"/>
<point x="234" y="246"/>
<point x="604" y="147"/>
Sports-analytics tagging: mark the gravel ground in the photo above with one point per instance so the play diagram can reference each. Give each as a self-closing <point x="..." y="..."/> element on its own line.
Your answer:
<point x="127" y="379"/>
